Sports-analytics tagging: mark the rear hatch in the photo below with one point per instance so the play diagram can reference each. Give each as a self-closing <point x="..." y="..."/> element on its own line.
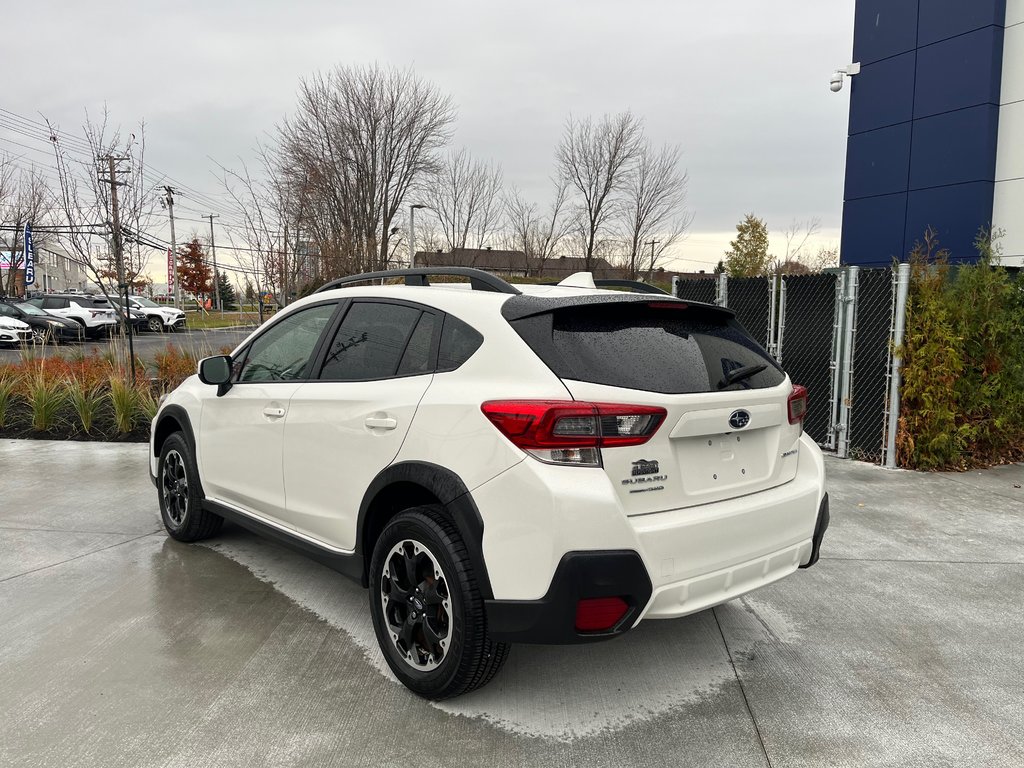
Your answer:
<point x="99" y="307"/>
<point x="727" y="430"/>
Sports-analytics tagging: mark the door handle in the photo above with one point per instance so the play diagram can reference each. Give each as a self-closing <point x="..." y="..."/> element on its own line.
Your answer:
<point x="273" y="413"/>
<point x="381" y="422"/>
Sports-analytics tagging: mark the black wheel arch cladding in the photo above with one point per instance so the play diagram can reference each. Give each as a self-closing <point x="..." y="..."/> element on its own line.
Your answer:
<point x="409" y="483"/>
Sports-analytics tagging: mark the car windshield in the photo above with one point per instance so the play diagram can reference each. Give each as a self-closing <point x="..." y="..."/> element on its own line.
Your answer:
<point x="142" y="302"/>
<point x="30" y="309"/>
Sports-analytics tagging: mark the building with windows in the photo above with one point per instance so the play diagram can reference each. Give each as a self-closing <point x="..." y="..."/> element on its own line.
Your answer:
<point x="56" y="272"/>
<point x="936" y="132"/>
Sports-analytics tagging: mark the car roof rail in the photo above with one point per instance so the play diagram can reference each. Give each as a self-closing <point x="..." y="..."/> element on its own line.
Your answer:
<point x="635" y="285"/>
<point x="478" y="279"/>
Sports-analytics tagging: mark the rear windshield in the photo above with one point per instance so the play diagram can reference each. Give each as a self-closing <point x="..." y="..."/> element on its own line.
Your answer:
<point x="637" y="346"/>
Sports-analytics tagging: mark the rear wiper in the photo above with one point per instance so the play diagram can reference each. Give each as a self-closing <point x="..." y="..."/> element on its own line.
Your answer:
<point x="739" y="374"/>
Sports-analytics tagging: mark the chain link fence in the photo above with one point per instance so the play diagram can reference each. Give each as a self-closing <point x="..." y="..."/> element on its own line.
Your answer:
<point x="870" y="363"/>
<point x="808" y="327"/>
<point x="750" y="298"/>
<point x="703" y="289"/>
<point x="833" y="333"/>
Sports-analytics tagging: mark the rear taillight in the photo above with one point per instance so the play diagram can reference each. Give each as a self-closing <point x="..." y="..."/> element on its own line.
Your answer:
<point x="572" y="432"/>
<point x="797" y="404"/>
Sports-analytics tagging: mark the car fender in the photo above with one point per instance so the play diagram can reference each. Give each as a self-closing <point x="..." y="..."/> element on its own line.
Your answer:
<point x="449" y="489"/>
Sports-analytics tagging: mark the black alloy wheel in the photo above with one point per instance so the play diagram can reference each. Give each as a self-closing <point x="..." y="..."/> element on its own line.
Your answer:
<point x="427" y="611"/>
<point x="181" y="500"/>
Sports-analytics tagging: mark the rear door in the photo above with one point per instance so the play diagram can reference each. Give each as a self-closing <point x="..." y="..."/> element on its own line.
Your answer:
<point x="720" y="439"/>
<point x="349" y="424"/>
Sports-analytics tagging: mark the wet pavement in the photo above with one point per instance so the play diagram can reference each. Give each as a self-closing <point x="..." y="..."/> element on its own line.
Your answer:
<point x="119" y="646"/>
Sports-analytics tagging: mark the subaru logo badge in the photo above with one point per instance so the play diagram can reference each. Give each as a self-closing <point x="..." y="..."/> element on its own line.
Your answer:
<point x="739" y="419"/>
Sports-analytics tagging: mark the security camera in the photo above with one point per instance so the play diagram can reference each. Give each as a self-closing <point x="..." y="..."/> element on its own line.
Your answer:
<point x="836" y="83"/>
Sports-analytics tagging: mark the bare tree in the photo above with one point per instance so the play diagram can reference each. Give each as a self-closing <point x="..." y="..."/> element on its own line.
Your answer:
<point x="359" y="140"/>
<point x="537" y="234"/>
<point x="270" y="212"/>
<point x="23" y="200"/>
<point x="83" y="198"/>
<point x="797" y="235"/>
<point x="597" y="160"/>
<point x="465" y="196"/>
<point x="653" y="211"/>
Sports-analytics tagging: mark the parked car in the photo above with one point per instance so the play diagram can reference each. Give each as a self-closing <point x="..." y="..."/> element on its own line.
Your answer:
<point x="138" y="319"/>
<point x="13" y="331"/>
<point x="45" y="327"/>
<point x="94" y="313"/>
<point x="536" y="464"/>
<point x="158" y="318"/>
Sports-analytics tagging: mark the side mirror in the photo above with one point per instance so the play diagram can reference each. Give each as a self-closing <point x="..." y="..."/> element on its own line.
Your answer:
<point x="216" y="371"/>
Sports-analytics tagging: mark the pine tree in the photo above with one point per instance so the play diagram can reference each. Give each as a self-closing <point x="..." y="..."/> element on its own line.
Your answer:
<point x="226" y="290"/>
<point x="748" y="253"/>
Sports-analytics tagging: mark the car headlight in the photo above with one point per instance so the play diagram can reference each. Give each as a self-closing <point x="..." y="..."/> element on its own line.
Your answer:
<point x="54" y="323"/>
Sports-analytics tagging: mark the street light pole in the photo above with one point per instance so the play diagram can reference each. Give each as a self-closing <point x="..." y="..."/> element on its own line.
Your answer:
<point x="412" y="234"/>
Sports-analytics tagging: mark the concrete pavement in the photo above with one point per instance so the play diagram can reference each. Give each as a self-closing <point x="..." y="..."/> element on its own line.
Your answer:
<point x="119" y="646"/>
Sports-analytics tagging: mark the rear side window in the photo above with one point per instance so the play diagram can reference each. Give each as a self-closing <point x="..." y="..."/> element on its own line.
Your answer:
<point x="54" y="302"/>
<point x="371" y="341"/>
<point x="636" y="346"/>
<point x="417" y="354"/>
<point x="458" y="343"/>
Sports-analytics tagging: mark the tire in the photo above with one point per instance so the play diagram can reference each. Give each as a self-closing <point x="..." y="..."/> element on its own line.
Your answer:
<point x="431" y="628"/>
<point x="155" y="324"/>
<point x="178" y="491"/>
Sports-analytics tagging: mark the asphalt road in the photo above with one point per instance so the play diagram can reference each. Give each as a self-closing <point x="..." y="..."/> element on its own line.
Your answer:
<point x="147" y="344"/>
<point x="121" y="647"/>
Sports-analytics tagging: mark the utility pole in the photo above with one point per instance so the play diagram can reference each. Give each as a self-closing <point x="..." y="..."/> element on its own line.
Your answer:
<point x="174" y="248"/>
<point x="650" y="272"/>
<point x="118" y="244"/>
<point x="216" y="274"/>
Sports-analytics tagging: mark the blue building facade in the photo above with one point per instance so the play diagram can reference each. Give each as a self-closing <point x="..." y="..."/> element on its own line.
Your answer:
<point x="925" y="147"/>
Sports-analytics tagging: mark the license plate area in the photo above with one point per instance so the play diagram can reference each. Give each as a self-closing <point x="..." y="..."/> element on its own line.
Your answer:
<point x="726" y="464"/>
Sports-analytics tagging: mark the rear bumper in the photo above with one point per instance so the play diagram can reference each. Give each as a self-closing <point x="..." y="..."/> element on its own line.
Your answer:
<point x="579" y="575"/>
<point x="536" y="516"/>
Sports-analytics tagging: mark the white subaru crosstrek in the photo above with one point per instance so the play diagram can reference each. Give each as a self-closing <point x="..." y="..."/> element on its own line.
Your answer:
<point x="536" y="464"/>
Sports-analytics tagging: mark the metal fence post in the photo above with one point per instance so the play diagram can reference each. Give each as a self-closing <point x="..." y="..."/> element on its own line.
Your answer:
<point x="895" y="376"/>
<point x="782" y="320"/>
<point x="771" y="346"/>
<point x="722" y="299"/>
<point x="849" y="335"/>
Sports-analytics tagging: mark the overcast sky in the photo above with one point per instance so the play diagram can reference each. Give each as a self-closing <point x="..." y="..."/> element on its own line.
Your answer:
<point x="740" y="85"/>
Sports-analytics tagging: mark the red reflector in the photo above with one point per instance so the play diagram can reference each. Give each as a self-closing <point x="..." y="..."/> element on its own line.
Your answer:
<point x="797" y="404"/>
<point x="599" y="613"/>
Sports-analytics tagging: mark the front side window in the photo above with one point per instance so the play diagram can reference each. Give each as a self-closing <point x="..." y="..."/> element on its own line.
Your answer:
<point x="371" y="341"/>
<point x="285" y="351"/>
